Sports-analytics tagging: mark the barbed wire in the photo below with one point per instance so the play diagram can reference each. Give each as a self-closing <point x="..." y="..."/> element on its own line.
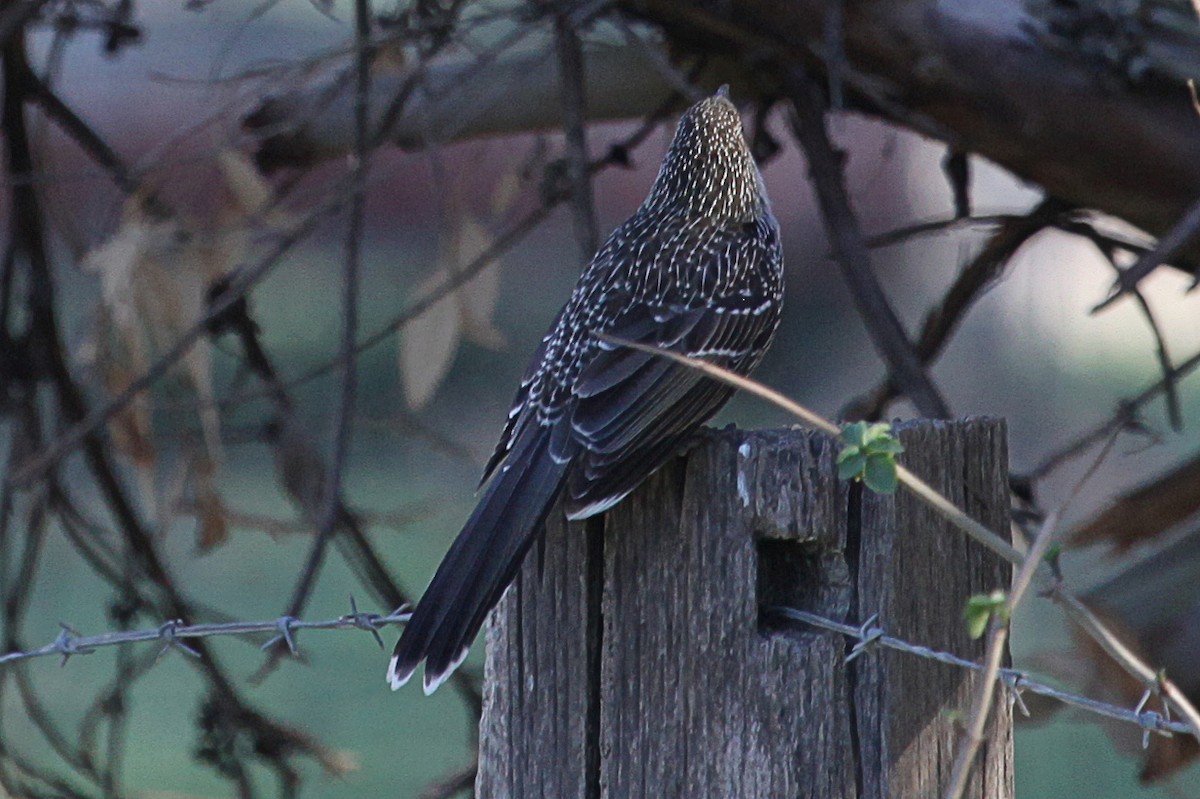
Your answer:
<point x="870" y="634"/>
<point x="173" y="633"/>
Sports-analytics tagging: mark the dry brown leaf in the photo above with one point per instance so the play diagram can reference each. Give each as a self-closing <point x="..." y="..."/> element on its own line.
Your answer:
<point x="251" y="191"/>
<point x="1154" y="607"/>
<point x="429" y="342"/>
<point x="506" y="191"/>
<point x="130" y="429"/>
<point x="154" y="273"/>
<point x="1147" y="512"/>
<point x="212" y="525"/>
<point x="477" y="297"/>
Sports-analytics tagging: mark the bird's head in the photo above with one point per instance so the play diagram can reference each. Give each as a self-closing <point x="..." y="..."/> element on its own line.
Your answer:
<point x="708" y="170"/>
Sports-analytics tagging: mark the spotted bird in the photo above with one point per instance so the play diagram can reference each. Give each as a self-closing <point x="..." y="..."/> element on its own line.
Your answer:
<point x="698" y="269"/>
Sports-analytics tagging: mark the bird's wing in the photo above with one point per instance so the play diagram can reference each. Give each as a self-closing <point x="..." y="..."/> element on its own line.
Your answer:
<point x="631" y="410"/>
<point x="516" y="413"/>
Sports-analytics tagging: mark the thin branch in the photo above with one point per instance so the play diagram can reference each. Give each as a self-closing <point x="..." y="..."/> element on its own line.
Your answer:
<point x="330" y="506"/>
<point x="1107" y="249"/>
<point x="1124" y="415"/>
<point x="940" y="225"/>
<point x="1170" y="245"/>
<point x="972" y="734"/>
<point x="570" y="67"/>
<point x="998" y="630"/>
<point x="972" y="282"/>
<point x="850" y="248"/>
<point x="74" y="126"/>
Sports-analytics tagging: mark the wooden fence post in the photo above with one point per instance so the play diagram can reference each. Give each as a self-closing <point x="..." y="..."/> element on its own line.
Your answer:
<point x="630" y="659"/>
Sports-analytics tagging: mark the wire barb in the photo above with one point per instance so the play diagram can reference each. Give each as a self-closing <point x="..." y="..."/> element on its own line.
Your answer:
<point x="167" y="633"/>
<point x="67" y="644"/>
<point x="868" y="635"/>
<point x="284" y="625"/>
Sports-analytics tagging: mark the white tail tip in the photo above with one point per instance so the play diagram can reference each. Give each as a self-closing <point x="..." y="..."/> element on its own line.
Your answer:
<point x="395" y="679"/>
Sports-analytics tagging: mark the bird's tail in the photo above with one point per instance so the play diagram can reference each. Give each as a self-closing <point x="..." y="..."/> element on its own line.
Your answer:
<point x="480" y="564"/>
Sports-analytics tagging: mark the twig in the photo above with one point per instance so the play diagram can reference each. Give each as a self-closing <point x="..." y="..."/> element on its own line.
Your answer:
<point x="849" y="245"/>
<point x="570" y="68"/>
<point x="329" y="508"/>
<point x="83" y="135"/>
<point x="916" y="485"/>
<point x="998" y="629"/>
<point x="1108" y="247"/>
<point x="940" y="225"/>
<point x="1179" y="236"/>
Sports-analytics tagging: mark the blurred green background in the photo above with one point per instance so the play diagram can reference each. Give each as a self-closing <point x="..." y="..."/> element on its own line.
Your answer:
<point x="1029" y="352"/>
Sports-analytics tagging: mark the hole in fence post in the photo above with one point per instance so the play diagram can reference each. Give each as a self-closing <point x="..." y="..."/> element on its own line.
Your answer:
<point x="791" y="574"/>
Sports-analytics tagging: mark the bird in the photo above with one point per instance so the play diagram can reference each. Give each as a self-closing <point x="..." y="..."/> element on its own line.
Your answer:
<point x="698" y="270"/>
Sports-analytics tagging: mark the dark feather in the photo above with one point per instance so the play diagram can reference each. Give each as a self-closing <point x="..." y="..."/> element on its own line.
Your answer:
<point x="486" y="553"/>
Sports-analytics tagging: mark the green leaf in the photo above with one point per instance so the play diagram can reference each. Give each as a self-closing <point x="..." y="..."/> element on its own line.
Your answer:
<point x="880" y="474"/>
<point x="879" y="430"/>
<point x="855" y="435"/>
<point x="981" y="608"/>
<point x="848" y="452"/>
<point x="889" y="445"/>
<point x="852" y="467"/>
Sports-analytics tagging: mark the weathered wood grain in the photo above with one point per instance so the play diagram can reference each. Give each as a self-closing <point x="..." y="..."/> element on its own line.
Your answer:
<point x="634" y="659"/>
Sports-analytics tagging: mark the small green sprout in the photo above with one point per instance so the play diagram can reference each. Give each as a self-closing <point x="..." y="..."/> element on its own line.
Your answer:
<point x="981" y="608"/>
<point x="869" y="454"/>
